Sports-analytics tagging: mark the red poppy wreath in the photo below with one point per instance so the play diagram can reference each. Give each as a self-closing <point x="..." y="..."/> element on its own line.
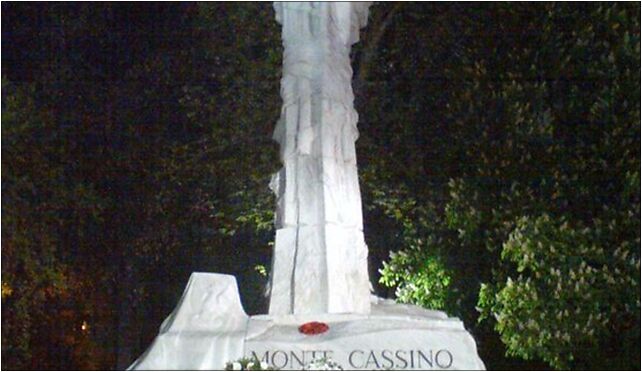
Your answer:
<point x="313" y="328"/>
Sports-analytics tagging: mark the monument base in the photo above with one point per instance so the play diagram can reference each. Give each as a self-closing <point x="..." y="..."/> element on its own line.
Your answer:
<point x="209" y="328"/>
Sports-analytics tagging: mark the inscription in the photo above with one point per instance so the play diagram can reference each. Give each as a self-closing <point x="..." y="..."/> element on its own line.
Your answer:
<point x="383" y="359"/>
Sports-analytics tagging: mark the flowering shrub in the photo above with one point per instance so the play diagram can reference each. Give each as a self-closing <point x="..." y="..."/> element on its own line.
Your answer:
<point x="248" y="364"/>
<point x="323" y="364"/>
<point x="569" y="290"/>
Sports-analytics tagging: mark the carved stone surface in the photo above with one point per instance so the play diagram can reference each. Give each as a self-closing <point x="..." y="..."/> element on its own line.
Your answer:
<point x="408" y="338"/>
<point x="209" y="328"/>
<point x="320" y="257"/>
<point x="204" y="331"/>
<point x="319" y="272"/>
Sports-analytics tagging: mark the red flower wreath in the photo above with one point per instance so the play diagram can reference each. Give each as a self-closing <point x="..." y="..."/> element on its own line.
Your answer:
<point x="313" y="328"/>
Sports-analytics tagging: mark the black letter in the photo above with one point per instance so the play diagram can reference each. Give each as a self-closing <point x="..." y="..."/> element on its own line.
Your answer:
<point x="285" y="359"/>
<point x="387" y="359"/>
<point x="266" y="357"/>
<point x="405" y="362"/>
<point x="422" y="356"/>
<point x="374" y="360"/>
<point x="350" y="359"/>
<point x="450" y="359"/>
<point x="293" y="356"/>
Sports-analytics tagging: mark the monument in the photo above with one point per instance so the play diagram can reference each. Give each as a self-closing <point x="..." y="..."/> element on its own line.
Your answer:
<point x="320" y="262"/>
<point x="320" y="300"/>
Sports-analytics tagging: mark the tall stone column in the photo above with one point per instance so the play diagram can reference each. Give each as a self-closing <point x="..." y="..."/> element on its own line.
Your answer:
<point x="320" y="261"/>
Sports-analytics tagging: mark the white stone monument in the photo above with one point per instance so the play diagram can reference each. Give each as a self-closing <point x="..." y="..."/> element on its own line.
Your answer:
<point x="320" y="262"/>
<point x="319" y="274"/>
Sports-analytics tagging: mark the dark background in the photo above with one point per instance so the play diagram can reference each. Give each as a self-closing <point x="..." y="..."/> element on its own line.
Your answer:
<point x="136" y="150"/>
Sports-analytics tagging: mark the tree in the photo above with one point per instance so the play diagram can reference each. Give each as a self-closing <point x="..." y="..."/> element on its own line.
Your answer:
<point x="546" y="123"/>
<point x="574" y="297"/>
<point x="42" y="291"/>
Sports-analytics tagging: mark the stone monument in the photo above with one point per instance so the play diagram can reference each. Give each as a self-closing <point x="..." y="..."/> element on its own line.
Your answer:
<point x="320" y="262"/>
<point x="319" y="275"/>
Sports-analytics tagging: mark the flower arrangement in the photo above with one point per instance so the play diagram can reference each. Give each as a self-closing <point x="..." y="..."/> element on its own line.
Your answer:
<point x="323" y="364"/>
<point x="313" y="328"/>
<point x="247" y="364"/>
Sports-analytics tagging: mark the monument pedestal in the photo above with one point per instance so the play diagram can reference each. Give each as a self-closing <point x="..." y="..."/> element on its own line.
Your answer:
<point x="209" y="328"/>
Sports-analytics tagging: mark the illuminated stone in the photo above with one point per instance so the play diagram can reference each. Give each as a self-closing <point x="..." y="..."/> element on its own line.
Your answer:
<point x="205" y="329"/>
<point x="320" y="260"/>
<point x="319" y="269"/>
<point x="209" y="328"/>
<point x="392" y="337"/>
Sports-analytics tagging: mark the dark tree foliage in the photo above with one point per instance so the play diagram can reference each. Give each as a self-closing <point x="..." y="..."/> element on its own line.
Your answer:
<point x="540" y="117"/>
<point x="499" y="166"/>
